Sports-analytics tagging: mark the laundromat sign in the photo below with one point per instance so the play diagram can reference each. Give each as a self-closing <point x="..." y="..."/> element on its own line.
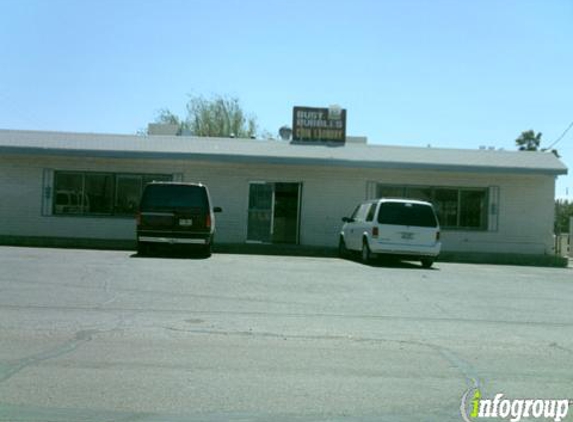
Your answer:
<point x="311" y="124"/>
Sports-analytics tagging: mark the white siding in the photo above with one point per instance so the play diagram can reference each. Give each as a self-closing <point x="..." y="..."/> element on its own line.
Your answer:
<point x="328" y="193"/>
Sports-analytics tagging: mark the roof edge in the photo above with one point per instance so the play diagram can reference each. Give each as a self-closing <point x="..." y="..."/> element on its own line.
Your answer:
<point x="229" y="158"/>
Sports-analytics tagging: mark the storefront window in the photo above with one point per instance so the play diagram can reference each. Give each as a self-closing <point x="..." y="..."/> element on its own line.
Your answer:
<point x="385" y="191"/>
<point x="127" y="194"/>
<point x="473" y="209"/>
<point x="68" y="193"/>
<point x="86" y="193"/>
<point x="446" y="205"/>
<point x="97" y="192"/>
<point x="421" y="194"/>
<point x="457" y="208"/>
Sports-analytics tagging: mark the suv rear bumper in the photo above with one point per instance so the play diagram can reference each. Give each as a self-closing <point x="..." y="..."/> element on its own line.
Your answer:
<point x="172" y="237"/>
<point x="173" y="240"/>
<point x="420" y="251"/>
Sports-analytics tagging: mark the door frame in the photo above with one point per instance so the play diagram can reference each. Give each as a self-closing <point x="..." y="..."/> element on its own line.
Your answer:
<point x="273" y="199"/>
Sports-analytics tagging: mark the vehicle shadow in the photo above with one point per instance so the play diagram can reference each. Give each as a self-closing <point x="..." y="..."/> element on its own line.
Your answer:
<point x="194" y="257"/>
<point x="385" y="262"/>
<point x="381" y="262"/>
<point x="172" y="253"/>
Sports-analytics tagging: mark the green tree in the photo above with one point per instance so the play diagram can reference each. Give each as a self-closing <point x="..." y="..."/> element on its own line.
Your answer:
<point x="563" y="212"/>
<point x="165" y="116"/>
<point x="528" y="141"/>
<point x="218" y="116"/>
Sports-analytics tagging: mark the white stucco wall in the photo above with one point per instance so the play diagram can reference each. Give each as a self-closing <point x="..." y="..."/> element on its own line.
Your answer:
<point x="525" y="207"/>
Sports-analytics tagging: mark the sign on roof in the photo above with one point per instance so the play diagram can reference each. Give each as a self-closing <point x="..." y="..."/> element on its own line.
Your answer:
<point x="319" y="124"/>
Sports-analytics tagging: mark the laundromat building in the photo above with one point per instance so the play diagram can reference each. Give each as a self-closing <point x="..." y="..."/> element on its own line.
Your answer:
<point x="84" y="186"/>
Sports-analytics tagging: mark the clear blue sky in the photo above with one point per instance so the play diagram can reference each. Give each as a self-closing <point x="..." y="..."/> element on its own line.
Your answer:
<point x="414" y="72"/>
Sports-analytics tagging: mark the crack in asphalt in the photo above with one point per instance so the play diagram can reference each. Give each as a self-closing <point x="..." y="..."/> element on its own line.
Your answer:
<point x="564" y="324"/>
<point x="562" y="348"/>
<point x="462" y="366"/>
<point x="9" y="369"/>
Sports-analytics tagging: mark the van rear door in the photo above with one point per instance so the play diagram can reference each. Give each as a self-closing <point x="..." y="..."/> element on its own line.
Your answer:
<point x="176" y="208"/>
<point x="407" y="225"/>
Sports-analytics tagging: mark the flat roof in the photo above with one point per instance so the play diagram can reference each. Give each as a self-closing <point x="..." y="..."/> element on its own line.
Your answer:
<point x="38" y="143"/>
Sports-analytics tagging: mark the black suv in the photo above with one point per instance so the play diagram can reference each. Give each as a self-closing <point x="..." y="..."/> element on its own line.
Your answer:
<point x="175" y="213"/>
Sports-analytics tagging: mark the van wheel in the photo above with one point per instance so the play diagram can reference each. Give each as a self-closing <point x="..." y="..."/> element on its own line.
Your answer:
<point x="366" y="254"/>
<point x="342" y="251"/>
<point x="208" y="250"/>
<point x="427" y="262"/>
<point x="142" y="249"/>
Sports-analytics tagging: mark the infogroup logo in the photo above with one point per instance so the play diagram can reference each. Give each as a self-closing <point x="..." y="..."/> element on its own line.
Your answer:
<point x="474" y="407"/>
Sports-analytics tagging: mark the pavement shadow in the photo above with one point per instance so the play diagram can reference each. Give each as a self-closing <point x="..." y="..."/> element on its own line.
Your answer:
<point x="386" y="262"/>
<point x="396" y="263"/>
<point x="172" y="252"/>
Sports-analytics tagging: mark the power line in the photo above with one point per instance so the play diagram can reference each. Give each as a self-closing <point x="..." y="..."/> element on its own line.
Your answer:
<point x="561" y="137"/>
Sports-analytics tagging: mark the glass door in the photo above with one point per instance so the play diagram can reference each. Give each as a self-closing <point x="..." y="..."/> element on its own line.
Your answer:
<point x="274" y="210"/>
<point x="285" y="213"/>
<point x="261" y="204"/>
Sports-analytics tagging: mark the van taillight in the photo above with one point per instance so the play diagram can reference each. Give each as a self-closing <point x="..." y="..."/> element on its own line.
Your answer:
<point x="375" y="231"/>
<point x="138" y="218"/>
<point x="208" y="221"/>
<point x="438" y="236"/>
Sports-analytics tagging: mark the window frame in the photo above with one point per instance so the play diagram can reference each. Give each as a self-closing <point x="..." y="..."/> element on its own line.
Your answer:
<point x="115" y="177"/>
<point x="484" y="218"/>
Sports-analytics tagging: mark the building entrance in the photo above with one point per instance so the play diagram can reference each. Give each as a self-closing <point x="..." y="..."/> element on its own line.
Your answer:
<point x="274" y="212"/>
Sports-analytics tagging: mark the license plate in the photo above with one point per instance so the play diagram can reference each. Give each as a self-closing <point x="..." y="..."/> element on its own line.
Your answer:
<point x="185" y="222"/>
<point x="407" y="235"/>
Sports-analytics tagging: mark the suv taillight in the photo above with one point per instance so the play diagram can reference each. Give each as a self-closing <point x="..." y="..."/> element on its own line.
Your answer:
<point x="138" y="219"/>
<point x="374" y="231"/>
<point x="438" y="236"/>
<point x="208" y="221"/>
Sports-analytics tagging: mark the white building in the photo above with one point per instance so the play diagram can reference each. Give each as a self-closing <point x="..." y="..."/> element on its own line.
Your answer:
<point x="86" y="186"/>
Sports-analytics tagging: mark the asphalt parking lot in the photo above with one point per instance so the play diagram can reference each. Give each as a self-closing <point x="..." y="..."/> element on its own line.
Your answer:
<point x="105" y="335"/>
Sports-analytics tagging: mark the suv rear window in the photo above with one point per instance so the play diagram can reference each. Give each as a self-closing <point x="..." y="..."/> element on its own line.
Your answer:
<point x="407" y="214"/>
<point x="157" y="197"/>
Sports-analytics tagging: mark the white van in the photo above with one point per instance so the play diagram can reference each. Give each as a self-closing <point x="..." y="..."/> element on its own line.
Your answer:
<point x="404" y="228"/>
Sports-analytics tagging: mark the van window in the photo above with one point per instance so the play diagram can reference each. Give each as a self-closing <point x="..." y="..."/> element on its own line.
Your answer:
<point x="156" y="197"/>
<point x="407" y="214"/>
<point x="355" y="212"/>
<point x="371" y="212"/>
<point x="360" y="215"/>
